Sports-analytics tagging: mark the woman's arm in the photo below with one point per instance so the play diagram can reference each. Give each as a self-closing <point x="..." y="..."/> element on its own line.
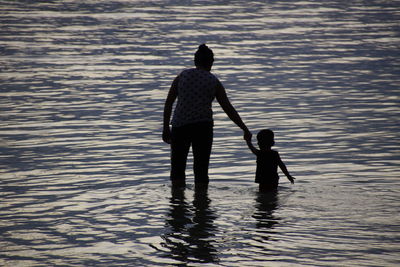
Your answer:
<point x="172" y="94"/>
<point x="226" y="105"/>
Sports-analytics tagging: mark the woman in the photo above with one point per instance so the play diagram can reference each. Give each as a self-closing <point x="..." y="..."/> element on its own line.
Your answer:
<point x="192" y="122"/>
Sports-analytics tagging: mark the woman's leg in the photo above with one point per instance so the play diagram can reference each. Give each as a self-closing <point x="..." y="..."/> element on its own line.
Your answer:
<point x="180" y="144"/>
<point x="201" y="144"/>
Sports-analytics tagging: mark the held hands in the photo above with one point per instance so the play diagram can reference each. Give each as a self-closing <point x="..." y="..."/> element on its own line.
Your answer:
<point x="247" y="135"/>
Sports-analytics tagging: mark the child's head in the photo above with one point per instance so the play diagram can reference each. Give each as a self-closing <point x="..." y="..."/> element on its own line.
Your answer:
<point x="265" y="138"/>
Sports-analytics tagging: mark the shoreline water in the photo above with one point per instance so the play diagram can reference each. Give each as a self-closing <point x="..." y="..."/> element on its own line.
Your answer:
<point x="84" y="174"/>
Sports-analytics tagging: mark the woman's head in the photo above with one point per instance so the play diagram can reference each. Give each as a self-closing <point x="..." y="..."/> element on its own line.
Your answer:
<point x="204" y="57"/>
<point x="265" y="138"/>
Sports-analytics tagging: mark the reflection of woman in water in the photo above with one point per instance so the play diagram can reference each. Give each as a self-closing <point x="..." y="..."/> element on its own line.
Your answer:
<point x="192" y="122"/>
<point x="190" y="228"/>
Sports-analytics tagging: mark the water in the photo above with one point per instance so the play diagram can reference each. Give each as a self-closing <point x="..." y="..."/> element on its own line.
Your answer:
<point x="84" y="174"/>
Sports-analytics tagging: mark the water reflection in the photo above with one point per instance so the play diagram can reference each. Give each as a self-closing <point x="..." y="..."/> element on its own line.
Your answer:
<point x="266" y="204"/>
<point x="82" y="89"/>
<point x="190" y="228"/>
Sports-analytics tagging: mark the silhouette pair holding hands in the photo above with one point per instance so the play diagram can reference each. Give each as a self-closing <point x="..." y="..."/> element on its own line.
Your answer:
<point x="192" y="126"/>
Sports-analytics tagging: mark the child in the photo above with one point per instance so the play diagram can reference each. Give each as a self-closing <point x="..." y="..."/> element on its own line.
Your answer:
<point x="268" y="161"/>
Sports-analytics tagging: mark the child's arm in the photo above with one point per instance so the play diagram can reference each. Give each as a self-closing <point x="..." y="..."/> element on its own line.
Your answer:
<point x="251" y="147"/>
<point x="284" y="170"/>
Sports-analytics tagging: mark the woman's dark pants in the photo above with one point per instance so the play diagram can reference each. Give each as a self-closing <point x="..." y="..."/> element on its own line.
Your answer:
<point x="200" y="137"/>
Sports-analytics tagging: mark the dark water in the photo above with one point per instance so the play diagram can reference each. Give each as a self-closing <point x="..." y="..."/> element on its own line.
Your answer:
<point x="84" y="174"/>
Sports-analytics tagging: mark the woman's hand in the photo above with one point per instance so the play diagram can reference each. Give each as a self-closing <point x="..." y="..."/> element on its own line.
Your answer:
<point x="166" y="135"/>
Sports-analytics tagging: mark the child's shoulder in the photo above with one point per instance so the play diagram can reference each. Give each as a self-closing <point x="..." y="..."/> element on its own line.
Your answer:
<point x="268" y="153"/>
<point x="275" y="152"/>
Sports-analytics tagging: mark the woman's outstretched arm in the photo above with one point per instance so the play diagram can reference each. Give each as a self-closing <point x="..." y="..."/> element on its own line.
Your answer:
<point x="172" y="94"/>
<point x="226" y="105"/>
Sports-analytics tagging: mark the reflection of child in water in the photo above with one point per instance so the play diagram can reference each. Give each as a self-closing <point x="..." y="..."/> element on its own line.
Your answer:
<point x="268" y="161"/>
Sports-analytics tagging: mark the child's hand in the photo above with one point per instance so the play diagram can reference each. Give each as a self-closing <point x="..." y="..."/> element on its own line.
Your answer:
<point x="291" y="179"/>
<point x="247" y="135"/>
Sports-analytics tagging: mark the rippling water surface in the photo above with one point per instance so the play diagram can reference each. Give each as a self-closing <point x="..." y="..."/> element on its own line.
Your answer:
<point x="84" y="174"/>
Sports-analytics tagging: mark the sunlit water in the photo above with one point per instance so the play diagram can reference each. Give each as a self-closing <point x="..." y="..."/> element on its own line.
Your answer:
<point x="84" y="174"/>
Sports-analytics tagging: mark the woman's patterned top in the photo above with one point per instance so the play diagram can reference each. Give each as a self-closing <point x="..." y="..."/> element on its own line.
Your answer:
<point x="196" y="91"/>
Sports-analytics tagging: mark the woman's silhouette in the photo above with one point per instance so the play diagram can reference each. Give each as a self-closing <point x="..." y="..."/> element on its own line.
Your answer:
<point x="192" y="122"/>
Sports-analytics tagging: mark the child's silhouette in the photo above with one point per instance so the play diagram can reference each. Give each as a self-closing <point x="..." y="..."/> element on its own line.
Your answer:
<point x="268" y="161"/>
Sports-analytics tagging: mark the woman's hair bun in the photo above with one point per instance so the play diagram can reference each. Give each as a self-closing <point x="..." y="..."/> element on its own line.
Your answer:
<point x="203" y="47"/>
<point x="204" y="56"/>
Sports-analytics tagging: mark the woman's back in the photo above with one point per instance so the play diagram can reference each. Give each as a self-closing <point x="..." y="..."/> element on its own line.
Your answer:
<point x="196" y="91"/>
